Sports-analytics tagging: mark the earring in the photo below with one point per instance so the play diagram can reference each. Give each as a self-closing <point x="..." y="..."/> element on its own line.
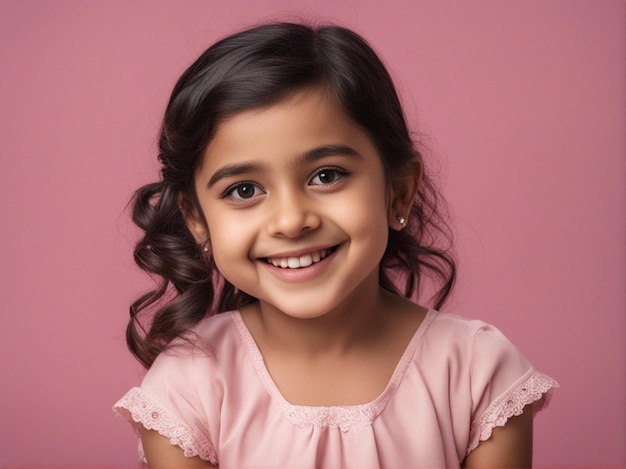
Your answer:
<point x="401" y="219"/>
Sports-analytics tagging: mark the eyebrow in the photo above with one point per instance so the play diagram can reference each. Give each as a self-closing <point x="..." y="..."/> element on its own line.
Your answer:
<point x="307" y="157"/>
<point x="328" y="150"/>
<point x="233" y="170"/>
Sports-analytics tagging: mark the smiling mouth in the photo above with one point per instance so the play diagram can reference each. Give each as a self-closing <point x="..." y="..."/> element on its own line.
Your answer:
<point x="298" y="262"/>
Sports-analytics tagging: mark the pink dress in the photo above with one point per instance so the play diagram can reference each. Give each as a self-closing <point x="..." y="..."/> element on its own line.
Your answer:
<point x="456" y="381"/>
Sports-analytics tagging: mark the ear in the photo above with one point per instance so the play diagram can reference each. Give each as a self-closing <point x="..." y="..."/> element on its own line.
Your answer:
<point x="402" y="190"/>
<point x="193" y="219"/>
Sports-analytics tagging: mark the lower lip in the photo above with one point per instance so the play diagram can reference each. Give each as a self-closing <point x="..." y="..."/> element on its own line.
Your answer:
<point x="302" y="274"/>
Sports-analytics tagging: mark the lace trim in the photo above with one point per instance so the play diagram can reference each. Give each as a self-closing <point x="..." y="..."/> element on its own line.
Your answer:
<point x="139" y="408"/>
<point x="334" y="417"/>
<point x="342" y="417"/>
<point x="532" y="388"/>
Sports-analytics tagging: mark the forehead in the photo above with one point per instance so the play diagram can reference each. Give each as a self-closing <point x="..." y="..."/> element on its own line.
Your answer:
<point x="300" y="122"/>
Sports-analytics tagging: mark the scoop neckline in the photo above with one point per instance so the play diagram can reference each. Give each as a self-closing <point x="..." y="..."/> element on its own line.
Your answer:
<point x="342" y="416"/>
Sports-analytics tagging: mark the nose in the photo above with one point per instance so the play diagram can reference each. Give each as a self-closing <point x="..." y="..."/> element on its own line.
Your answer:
<point x="292" y="213"/>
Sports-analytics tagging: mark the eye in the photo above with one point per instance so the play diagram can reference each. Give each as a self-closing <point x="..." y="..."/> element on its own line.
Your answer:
<point x="243" y="191"/>
<point x="327" y="176"/>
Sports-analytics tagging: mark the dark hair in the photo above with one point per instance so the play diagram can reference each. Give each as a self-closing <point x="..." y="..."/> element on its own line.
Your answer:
<point x="255" y="68"/>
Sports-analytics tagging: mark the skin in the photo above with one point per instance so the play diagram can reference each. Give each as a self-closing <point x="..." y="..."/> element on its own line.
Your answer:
<point x="161" y="454"/>
<point x="281" y="156"/>
<point x="509" y="446"/>
<point x="296" y="179"/>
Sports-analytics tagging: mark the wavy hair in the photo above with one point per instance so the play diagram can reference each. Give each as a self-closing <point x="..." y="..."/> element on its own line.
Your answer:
<point x="251" y="69"/>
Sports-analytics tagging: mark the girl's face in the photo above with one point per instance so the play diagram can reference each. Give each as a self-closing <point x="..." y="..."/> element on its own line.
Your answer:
<point x="297" y="205"/>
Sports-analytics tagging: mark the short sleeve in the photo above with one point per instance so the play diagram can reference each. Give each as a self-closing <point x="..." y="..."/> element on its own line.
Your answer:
<point x="502" y="384"/>
<point x="167" y="401"/>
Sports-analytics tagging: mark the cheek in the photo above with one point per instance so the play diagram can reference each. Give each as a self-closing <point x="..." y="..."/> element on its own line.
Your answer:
<point x="228" y="263"/>
<point x="226" y="242"/>
<point x="230" y="243"/>
<point x="365" y="217"/>
<point x="373" y="220"/>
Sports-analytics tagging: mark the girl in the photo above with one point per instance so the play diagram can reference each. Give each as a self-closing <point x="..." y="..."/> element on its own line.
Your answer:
<point x="294" y="203"/>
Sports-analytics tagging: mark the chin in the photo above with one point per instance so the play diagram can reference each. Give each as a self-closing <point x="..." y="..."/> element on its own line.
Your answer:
<point x="300" y="310"/>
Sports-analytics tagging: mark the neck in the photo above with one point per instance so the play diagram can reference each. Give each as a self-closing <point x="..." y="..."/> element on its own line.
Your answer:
<point x="359" y="319"/>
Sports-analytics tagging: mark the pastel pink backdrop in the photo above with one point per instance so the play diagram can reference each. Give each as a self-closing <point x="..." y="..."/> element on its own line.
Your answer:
<point x="521" y="104"/>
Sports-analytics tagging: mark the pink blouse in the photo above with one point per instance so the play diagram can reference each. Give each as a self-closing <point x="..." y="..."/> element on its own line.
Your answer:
<point x="456" y="381"/>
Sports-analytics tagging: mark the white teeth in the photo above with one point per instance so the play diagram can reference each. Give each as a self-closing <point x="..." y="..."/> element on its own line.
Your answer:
<point x="306" y="261"/>
<point x="298" y="262"/>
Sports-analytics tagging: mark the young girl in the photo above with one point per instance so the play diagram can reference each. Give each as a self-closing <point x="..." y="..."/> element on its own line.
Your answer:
<point x="294" y="203"/>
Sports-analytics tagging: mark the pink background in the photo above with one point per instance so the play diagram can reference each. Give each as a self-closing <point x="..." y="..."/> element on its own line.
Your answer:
<point x="522" y="106"/>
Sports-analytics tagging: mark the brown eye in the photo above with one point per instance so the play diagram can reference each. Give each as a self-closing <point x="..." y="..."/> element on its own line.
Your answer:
<point x="326" y="176"/>
<point x="243" y="191"/>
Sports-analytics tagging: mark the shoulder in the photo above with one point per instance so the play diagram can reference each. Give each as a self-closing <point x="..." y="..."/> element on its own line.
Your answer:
<point x="491" y="379"/>
<point x="471" y="346"/>
<point x="198" y="359"/>
<point x="459" y="331"/>
<point x="211" y="331"/>
<point x="203" y="341"/>
<point x="181" y="393"/>
<point x="472" y="360"/>
<point x="455" y="324"/>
